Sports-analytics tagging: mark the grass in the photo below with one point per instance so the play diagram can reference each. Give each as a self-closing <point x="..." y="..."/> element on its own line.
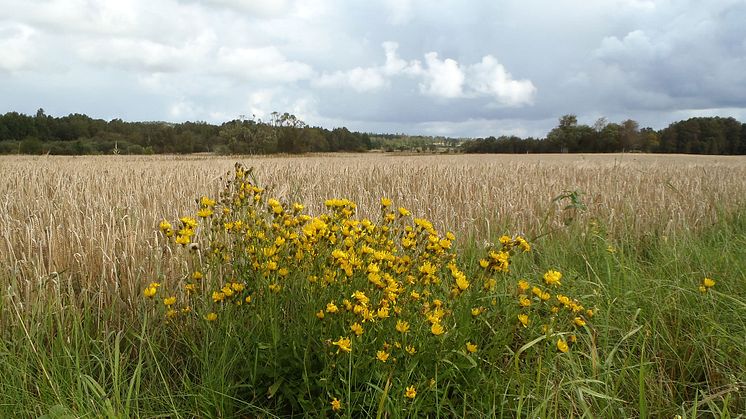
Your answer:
<point x="78" y="338"/>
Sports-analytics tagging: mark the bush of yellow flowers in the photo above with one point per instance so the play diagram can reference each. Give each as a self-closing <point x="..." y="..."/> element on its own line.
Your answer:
<point x="334" y="314"/>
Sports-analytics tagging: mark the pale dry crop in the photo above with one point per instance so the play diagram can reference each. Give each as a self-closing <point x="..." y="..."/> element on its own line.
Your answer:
<point x="95" y="219"/>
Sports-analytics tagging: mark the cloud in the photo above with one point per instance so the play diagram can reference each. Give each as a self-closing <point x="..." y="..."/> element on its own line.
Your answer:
<point x="146" y="55"/>
<point x="440" y="78"/>
<point x="490" y="78"/>
<point x="265" y="64"/>
<point x="400" y="11"/>
<point x="358" y="79"/>
<point x="254" y="8"/>
<point x="17" y="46"/>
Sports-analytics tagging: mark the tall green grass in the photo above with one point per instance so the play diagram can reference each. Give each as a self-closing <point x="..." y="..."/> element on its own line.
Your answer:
<point x="656" y="348"/>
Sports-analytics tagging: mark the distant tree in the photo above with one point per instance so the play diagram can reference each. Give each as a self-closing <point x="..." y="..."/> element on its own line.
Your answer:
<point x="629" y="135"/>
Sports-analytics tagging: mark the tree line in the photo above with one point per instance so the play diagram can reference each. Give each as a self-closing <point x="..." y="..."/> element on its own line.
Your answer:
<point x="704" y="135"/>
<point x="284" y="133"/>
<point x="80" y="134"/>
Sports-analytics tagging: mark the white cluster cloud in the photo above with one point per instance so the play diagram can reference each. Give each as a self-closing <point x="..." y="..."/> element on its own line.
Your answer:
<point x="16" y="45"/>
<point x="441" y="78"/>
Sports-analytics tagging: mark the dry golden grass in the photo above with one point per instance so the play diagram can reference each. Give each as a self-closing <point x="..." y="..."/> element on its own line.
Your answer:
<point x="96" y="218"/>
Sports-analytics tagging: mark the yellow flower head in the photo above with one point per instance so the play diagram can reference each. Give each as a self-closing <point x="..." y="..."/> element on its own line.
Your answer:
<point x="402" y="326"/>
<point x="410" y="392"/>
<point x="169" y="301"/>
<point x="331" y="308"/>
<point x="471" y="347"/>
<point x="523" y="286"/>
<point x="562" y="346"/>
<point x="437" y="329"/>
<point x="382" y="356"/>
<point x="403" y="212"/>
<point x="206" y="202"/>
<point x="344" y="344"/>
<point x="411" y="349"/>
<point x="356" y="328"/>
<point x="211" y="317"/>
<point x="461" y="282"/>
<point x="336" y="405"/>
<point x="385" y="202"/>
<point x="165" y="226"/>
<point x="552" y="277"/>
<point x="708" y="283"/>
<point x="523" y="318"/>
<point x="320" y="314"/>
<point x="579" y="321"/>
<point x="204" y="212"/>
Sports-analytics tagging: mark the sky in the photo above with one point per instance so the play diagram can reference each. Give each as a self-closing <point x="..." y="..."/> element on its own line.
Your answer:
<point x="455" y="68"/>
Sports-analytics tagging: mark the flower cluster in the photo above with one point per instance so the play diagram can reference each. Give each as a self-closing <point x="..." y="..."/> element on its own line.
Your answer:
<point x="389" y="293"/>
<point x="556" y="314"/>
<point x="706" y="284"/>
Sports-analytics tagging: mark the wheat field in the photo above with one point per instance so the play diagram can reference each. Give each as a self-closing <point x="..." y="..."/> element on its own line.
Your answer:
<point x="96" y="218"/>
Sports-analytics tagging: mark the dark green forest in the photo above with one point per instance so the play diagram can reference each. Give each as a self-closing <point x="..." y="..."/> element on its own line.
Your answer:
<point x="711" y="135"/>
<point x="77" y="134"/>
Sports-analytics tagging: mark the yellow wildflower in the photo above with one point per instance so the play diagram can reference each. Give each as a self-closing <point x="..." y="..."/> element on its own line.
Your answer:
<point x="403" y="212"/>
<point x="151" y="289"/>
<point x="411" y="349"/>
<point x="523" y="286"/>
<point x="320" y="314"/>
<point x="562" y="346"/>
<point x="523" y="318"/>
<point x="356" y="328"/>
<point x="579" y="321"/>
<point x="344" y="344"/>
<point x="197" y="275"/>
<point x="382" y="356"/>
<point x="410" y="392"/>
<point x="183" y="240"/>
<point x="552" y="277"/>
<point x="169" y="301"/>
<point x="336" y="405"/>
<point x="402" y="326"/>
<point x="217" y="296"/>
<point x="461" y="282"/>
<point x="211" y="317"/>
<point x="437" y="329"/>
<point x="331" y="308"/>
<point x="385" y="202"/>
<point x="471" y="347"/>
<point x="204" y="213"/>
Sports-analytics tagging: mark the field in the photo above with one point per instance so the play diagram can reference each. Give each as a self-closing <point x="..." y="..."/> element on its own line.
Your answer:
<point x="634" y="237"/>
